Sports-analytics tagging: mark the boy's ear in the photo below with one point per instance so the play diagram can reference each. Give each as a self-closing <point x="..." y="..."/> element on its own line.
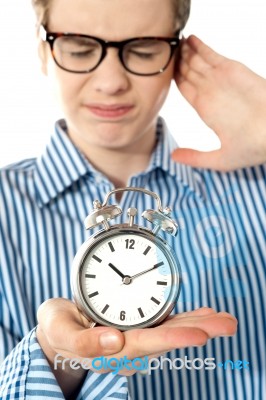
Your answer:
<point x="43" y="56"/>
<point x="177" y="61"/>
<point x="178" y="58"/>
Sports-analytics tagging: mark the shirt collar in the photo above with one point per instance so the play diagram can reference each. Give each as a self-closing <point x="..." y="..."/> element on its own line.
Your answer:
<point x="62" y="164"/>
<point x="59" y="166"/>
<point x="190" y="177"/>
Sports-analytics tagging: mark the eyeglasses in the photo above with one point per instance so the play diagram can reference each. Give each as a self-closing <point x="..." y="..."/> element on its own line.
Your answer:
<point x="82" y="53"/>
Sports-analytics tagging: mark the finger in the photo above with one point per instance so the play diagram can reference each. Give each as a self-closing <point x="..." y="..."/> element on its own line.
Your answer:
<point x="194" y="60"/>
<point x="191" y="75"/>
<point x="211" y="323"/>
<point x="184" y="332"/>
<point x="144" y="342"/>
<point x="187" y="90"/>
<point x="198" y="312"/>
<point x="207" y="53"/>
<point x="200" y="159"/>
<point x="220" y="324"/>
<point x="58" y="316"/>
<point x="194" y="313"/>
<point x="176" y="333"/>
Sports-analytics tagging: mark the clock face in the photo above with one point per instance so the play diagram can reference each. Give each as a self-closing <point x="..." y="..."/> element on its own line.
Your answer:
<point x="128" y="279"/>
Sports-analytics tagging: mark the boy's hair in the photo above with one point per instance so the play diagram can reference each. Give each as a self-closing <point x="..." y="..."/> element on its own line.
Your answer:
<point x="181" y="10"/>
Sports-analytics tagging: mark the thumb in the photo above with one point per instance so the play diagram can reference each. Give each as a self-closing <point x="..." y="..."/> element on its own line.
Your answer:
<point x="63" y="330"/>
<point x="200" y="159"/>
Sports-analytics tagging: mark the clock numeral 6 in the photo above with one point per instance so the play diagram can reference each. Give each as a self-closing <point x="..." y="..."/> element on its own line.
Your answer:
<point x="130" y="243"/>
<point x="122" y="315"/>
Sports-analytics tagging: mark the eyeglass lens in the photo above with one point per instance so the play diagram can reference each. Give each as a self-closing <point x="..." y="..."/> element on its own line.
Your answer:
<point x="79" y="54"/>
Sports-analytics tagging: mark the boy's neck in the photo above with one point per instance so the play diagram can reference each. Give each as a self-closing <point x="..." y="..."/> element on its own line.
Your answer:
<point x="118" y="165"/>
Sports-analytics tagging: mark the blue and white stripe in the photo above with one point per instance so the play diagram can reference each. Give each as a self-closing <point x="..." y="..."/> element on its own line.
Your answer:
<point x="221" y="249"/>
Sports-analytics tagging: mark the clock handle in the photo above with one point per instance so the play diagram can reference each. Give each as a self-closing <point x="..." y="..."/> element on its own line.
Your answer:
<point x="91" y="322"/>
<point x="133" y="189"/>
<point x="160" y="218"/>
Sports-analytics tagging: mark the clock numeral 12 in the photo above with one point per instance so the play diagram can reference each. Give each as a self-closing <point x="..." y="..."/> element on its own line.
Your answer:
<point x="130" y="243"/>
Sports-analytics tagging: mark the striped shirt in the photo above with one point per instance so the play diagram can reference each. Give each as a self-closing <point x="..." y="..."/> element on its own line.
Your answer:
<point x="220" y="246"/>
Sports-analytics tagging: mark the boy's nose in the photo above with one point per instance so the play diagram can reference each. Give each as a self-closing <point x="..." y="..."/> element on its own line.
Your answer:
<point x="110" y="76"/>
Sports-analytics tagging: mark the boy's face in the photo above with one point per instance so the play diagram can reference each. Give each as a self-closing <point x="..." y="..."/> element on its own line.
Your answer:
<point x="86" y="98"/>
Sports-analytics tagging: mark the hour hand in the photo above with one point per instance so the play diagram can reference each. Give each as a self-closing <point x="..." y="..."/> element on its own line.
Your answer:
<point x="116" y="270"/>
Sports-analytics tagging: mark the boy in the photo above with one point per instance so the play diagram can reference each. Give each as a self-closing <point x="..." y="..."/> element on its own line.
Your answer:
<point x="112" y="137"/>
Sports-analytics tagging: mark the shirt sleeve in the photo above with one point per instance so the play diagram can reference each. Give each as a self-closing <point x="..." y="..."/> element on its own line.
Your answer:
<point x="25" y="373"/>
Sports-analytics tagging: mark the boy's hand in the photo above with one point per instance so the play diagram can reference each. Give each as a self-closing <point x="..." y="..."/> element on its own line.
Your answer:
<point x="230" y="99"/>
<point x="63" y="330"/>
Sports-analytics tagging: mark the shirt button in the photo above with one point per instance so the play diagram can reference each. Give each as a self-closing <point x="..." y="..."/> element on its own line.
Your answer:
<point x="98" y="179"/>
<point x="143" y="372"/>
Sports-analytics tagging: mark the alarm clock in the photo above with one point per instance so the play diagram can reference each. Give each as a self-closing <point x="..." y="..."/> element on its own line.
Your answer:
<point x="125" y="275"/>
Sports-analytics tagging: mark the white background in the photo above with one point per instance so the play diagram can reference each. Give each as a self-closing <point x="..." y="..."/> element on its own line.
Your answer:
<point x="235" y="28"/>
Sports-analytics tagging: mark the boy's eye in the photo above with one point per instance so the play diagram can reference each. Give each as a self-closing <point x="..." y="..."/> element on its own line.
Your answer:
<point x="142" y="54"/>
<point x="78" y="47"/>
<point x="146" y="49"/>
<point x="81" y="54"/>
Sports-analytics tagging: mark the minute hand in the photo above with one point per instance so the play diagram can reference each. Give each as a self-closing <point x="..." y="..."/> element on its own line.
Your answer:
<point x="147" y="270"/>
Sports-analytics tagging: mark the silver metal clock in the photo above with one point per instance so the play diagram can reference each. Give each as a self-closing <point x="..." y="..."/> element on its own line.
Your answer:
<point x="126" y="275"/>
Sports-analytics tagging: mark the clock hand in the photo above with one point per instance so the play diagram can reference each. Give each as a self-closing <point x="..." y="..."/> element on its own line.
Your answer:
<point x="147" y="270"/>
<point x="116" y="270"/>
<point x="141" y="273"/>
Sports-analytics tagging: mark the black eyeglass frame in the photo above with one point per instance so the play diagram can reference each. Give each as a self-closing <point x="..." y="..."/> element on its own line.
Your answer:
<point x="50" y="38"/>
